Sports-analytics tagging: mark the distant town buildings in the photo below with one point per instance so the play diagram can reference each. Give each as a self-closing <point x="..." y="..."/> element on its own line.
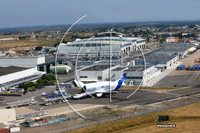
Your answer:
<point x="9" y="39"/>
<point x="172" y="40"/>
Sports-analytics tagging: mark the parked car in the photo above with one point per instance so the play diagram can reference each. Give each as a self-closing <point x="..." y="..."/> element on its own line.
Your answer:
<point x="44" y="94"/>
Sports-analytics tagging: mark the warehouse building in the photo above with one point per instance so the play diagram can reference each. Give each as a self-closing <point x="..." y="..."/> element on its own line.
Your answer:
<point x="165" y="56"/>
<point x="95" y="73"/>
<point x="17" y="70"/>
<point x="42" y="63"/>
<point x="101" y="45"/>
<point x="13" y="76"/>
<point x="135" y="74"/>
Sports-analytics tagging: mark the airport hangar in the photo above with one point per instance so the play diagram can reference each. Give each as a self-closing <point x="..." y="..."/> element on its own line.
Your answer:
<point x="156" y="62"/>
<point x="97" y="73"/>
<point x="17" y="70"/>
<point x="100" y="46"/>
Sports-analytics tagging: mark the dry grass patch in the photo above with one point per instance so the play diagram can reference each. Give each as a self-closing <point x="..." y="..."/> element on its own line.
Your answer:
<point x="180" y="116"/>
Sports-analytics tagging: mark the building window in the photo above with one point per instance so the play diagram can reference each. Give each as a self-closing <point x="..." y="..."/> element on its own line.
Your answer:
<point x="93" y="45"/>
<point x="134" y="77"/>
<point x="99" y="77"/>
<point x="87" y="45"/>
<point x="83" y="77"/>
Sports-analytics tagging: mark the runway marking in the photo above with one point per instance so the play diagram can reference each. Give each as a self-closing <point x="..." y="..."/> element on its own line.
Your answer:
<point x="171" y="78"/>
<point x="197" y="75"/>
<point x="191" y="77"/>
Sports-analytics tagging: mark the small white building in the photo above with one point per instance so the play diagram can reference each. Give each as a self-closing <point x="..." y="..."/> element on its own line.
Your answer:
<point x="7" y="115"/>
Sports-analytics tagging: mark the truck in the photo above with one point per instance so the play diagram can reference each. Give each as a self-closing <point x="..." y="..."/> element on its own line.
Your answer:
<point x="55" y="98"/>
<point x="197" y="67"/>
<point x="32" y="114"/>
<point x="180" y="67"/>
<point x="27" y="102"/>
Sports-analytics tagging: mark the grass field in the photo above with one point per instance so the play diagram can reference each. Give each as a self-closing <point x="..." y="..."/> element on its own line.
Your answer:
<point x="5" y="45"/>
<point x="186" y="118"/>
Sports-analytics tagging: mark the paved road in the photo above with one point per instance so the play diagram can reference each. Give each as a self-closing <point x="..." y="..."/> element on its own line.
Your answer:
<point x="182" y="77"/>
<point x="37" y="93"/>
<point x="140" y="97"/>
<point x="65" y="77"/>
<point x="179" y="80"/>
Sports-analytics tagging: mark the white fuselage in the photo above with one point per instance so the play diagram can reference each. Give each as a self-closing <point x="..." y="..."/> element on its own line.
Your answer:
<point x="98" y="88"/>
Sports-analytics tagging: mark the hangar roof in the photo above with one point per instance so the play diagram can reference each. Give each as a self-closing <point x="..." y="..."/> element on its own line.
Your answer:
<point x="10" y="69"/>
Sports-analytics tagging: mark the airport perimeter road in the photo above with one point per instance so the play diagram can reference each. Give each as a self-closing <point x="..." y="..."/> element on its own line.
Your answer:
<point x="140" y="97"/>
<point x="37" y="93"/>
<point x="182" y="77"/>
<point x="117" y="99"/>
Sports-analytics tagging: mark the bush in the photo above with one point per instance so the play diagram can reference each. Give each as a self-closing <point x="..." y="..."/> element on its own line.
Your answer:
<point x="44" y="80"/>
<point x="11" y="94"/>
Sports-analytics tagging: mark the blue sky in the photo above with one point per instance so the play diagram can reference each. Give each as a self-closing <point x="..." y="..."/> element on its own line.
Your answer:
<point x="15" y="13"/>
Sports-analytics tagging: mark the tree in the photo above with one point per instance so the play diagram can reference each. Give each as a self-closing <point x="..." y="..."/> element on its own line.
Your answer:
<point x="64" y="41"/>
<point x="56" y="44"/>
<point x="38" y="48"/>
<point x="50" y="77"/>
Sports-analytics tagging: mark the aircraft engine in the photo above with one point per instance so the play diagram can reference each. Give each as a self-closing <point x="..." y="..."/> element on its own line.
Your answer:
<point x="99" y="94"/>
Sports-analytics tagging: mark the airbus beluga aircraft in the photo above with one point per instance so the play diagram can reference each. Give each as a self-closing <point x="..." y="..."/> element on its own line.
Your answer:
<point x="99" y="89"/>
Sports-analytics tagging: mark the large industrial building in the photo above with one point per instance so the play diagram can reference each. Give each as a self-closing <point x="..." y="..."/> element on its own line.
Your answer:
<point x="156" y="62"/>
<point x="17" y="70"/>
<point x="42" y="63"/>
<point x="167" y="55"/>
<point x="101" y="45"/>
<point x="97" y="73"/>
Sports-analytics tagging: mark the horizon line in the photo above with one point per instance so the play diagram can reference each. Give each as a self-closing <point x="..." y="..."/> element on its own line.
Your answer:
<point x="53" y="25"/>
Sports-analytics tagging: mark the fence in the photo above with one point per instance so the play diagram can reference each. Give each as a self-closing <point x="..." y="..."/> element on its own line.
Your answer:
<point x="150" y="109"/>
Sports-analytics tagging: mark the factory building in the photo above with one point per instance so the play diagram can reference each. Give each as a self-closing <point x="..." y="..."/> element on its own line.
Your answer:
<point x="17" y="70"/>
<point x="156" y="62"/>
<point x="95" y="73"/>
<point x="135" y="74"/>
<point x="13" y="76"/>
<point x="101" y="45"/>
<point x="42" y="63"/>
<point x="165" y="56"/>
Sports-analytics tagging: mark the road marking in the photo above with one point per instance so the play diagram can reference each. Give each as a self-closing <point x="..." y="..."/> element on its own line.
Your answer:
<point x="191" y="77"/>
<point x="171" y="78"/>
<point x="197" y="75"/>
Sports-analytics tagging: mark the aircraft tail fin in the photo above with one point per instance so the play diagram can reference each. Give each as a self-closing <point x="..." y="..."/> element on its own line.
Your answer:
<point x="78" y="83"/>
<point x="120" y="81"/>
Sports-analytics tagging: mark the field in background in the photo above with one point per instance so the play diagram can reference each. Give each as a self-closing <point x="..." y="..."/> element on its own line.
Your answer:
<point x="186" y="118"/>
<point x="42" y="41"/>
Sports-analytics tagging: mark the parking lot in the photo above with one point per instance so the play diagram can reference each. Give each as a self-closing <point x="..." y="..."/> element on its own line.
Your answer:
<point x="182" y="77"/>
